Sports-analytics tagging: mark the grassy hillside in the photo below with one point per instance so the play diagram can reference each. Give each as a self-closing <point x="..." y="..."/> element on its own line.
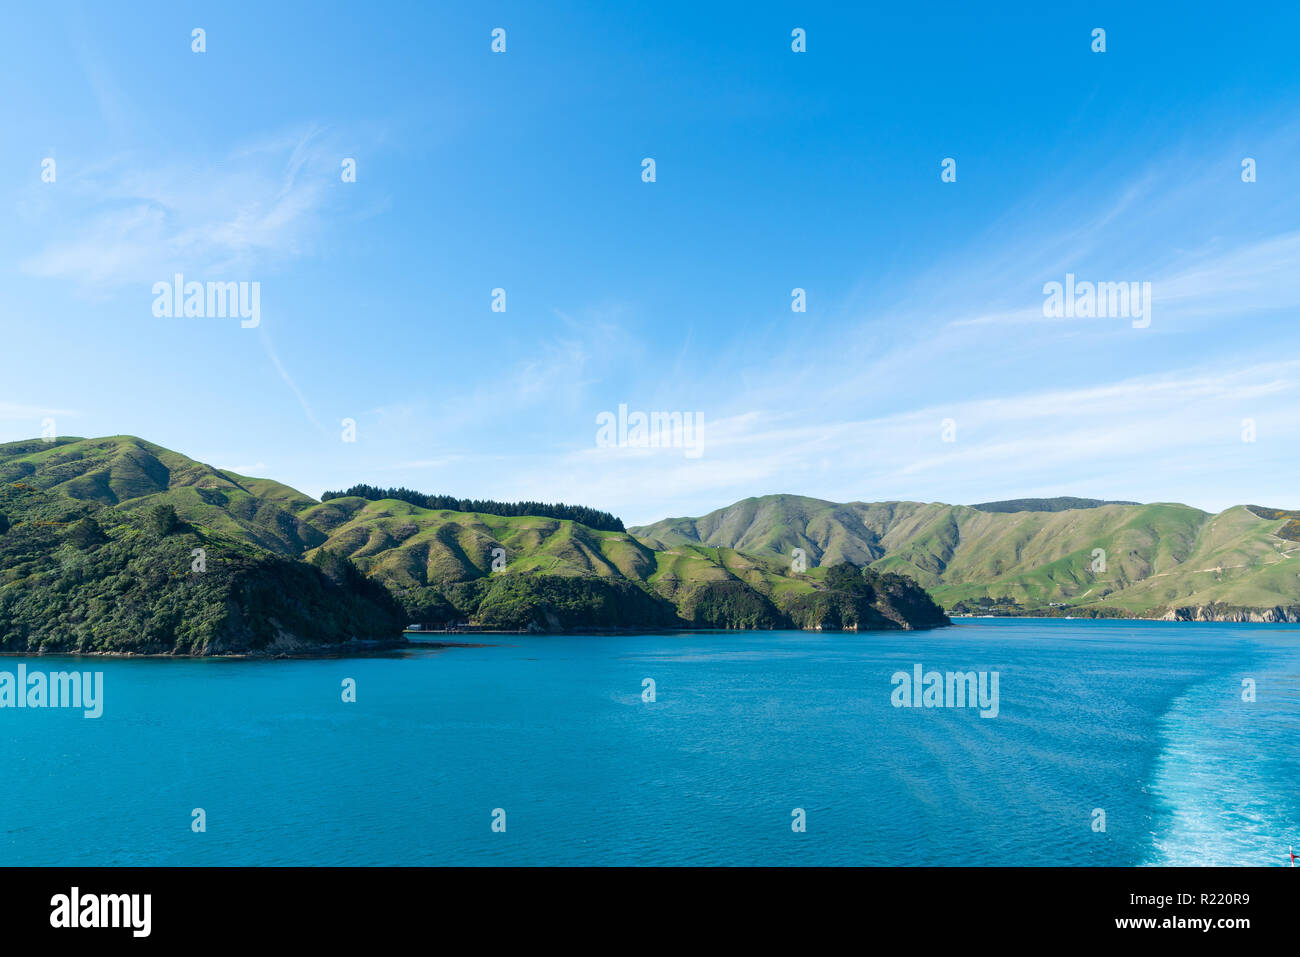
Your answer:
<point x="78" y="576"/>
<point x="1156" y="557"/>
<point x="1061" y="503"/>
<point x="731" y="567"/>
<point x="508" y="571"/>
<point x="440" y="564"/>
<point x="776" y="524"/>
<point x="131" y="474"/>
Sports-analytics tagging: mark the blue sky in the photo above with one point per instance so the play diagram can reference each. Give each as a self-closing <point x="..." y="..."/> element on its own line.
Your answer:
<point x="522" y="170"/>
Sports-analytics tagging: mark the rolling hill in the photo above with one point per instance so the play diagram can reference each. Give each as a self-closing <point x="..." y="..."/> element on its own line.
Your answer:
<point x="1157" y="560"/>
<point x="80" y="577"/>
<point x="504" y="571"/>
<point x="729" y="568"/>
<point x="130" y="473"/>
<point x="429" y="557"/>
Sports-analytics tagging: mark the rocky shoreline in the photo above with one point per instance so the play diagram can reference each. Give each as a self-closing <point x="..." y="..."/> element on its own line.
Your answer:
<point x="1275" y="615"/>
<point x="1198" y="613"/>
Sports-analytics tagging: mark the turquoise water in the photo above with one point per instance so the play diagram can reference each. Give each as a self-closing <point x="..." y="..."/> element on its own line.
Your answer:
<point x="1144" y="720"/>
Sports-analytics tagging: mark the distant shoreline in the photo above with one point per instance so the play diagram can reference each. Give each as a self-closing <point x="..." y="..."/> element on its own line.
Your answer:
<point x="386" y="648"/>
<point x="1239" y="616"/>
<point x="350" y="650"/>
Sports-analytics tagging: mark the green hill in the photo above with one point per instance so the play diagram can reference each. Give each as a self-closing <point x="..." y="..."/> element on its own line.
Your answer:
<point x="1060" y="504"/>
<point x="440" y="565"/>
<point x="80" y="577"/>
<point x="130" y="473"/>
<point x="445" y="566"/>
<point x="1159" y="559"/>
<point x="730" y="568"/>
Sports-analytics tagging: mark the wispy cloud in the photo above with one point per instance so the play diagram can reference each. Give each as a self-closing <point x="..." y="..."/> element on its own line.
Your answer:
<point x="288" y="380"/>
<point x="1141" y="428"/>
<point x="127" y="219"/>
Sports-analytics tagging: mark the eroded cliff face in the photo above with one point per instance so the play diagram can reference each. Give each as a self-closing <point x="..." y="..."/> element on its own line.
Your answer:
<point x="1285" y="615"/>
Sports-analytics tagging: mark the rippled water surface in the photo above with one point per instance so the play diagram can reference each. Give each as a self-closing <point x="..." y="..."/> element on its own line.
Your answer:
<point x="1143" y="720"/>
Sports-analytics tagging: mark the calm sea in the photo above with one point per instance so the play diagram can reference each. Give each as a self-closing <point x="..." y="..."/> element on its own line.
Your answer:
<point x="1142" y="720"/>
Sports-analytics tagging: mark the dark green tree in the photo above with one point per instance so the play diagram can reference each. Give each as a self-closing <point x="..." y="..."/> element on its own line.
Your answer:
<point x="163" y="520"/>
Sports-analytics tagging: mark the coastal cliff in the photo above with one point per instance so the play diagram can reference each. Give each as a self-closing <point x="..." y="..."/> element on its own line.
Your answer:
<point x="1219" y="612"/>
